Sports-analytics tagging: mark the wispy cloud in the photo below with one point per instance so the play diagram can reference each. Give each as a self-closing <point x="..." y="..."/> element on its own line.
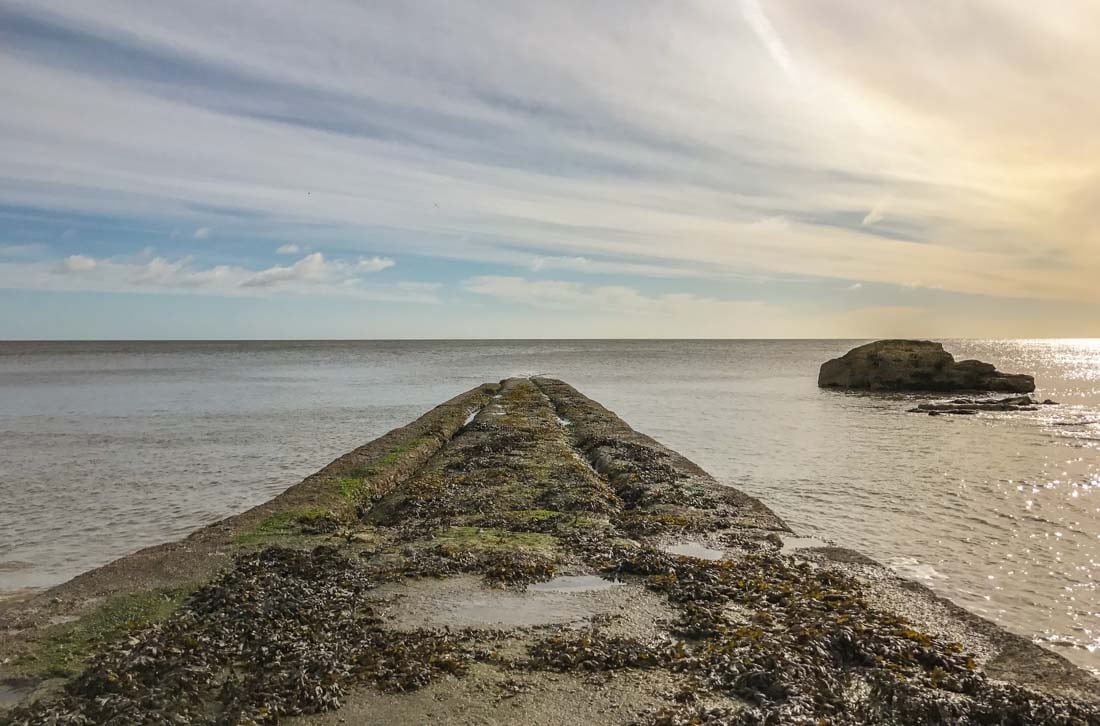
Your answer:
<point x="637" y="314"/>
<point x="877" y="213"/>
<point x="374" y="264"/>
<point x="560" y="263"/>
<point x="146" y="272"/>
<point x="311" y="268"/>
<point x="633" y="312"/>
<point x="777" y="49"/>
<point x="605" y="299"/>
<point x="950" y="144"/>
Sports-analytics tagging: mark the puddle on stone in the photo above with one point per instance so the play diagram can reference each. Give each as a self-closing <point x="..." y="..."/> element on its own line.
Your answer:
<point x="12" y="695"/>
<point x="574" y="583"/>
<point x="694" y="549"/>
<point x="464" y="603"/>
<point x="563" y="421"/>
<point x="802" y="543"/>
<point x="508" y="613"/>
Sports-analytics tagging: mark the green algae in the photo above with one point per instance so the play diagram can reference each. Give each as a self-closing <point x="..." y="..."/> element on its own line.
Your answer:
<point x="352" y="488"/>
<point x="358" y="485"/>
<point x="65" y="648"/>
<point x="529" y="517"/>
<point x="284" y="633"/>
<point x="390" y="458"/>
<point x="548" y="521"/>
<point x="313" y="520"/>
<point x="479" y="538"/>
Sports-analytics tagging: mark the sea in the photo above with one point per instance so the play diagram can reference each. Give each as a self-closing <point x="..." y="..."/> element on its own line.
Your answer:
<point x="108" y="447"/>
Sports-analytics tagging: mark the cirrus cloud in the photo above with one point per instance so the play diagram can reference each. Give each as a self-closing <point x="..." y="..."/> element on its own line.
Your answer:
<point x="313" y="274"/>
<point x="841" y="140"/>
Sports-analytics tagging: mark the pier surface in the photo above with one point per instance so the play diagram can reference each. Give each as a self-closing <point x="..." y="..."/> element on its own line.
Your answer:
<point x="518" y="554"/>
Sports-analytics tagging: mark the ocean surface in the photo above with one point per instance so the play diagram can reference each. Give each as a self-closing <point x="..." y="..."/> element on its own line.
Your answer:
<point x="109" y="447"/>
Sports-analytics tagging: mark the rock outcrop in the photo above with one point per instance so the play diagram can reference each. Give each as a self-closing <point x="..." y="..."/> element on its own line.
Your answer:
<point x="916" y="365"/>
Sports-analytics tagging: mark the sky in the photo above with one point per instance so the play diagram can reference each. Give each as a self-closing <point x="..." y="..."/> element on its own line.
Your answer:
<point x="495" y="169"/>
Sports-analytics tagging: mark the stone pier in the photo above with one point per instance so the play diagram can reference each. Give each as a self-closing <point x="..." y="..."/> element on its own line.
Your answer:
<point x="519" y="554"/>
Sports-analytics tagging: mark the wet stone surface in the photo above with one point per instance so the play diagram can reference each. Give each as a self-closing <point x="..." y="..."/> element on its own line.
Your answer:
<point x="693" y="549"/>
<point x="462" y="602"/>
<point x="574" y="583"/>
<point x="579" y="572"/>
<point x="11" y="695"/>
<point x="791" y="543"/>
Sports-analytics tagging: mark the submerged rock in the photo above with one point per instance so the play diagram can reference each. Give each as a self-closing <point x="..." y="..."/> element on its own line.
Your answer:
<point x="916" y="365"/>
<point x="966" y="406"/>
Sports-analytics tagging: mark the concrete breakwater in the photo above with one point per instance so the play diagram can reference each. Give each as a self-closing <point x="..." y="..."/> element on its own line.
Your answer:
<point x="518" y="553"/>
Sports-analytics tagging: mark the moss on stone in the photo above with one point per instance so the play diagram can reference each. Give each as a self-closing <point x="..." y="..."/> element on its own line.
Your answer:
<point x="313" y="520"/>
<point x="352" y="488"/>
<point x="478" y="538"/>
<point x="64" y="648"/>
<point x="389" y="458"/>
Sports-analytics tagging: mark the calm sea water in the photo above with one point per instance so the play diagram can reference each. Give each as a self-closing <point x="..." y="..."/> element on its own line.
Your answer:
<point x="109" y="447"/>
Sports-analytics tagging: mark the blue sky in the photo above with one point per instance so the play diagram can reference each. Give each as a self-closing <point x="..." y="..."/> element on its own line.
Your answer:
<point x="745" y="168"/>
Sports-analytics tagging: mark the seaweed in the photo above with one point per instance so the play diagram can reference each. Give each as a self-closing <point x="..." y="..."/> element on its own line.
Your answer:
<point x="594" y="651"/>
<point x="763" y="638"/>
<point x="284" y="632"/>
<point x="812" y="648"/>
<point x="310" y="521"/>
<point x="65" y="648"/>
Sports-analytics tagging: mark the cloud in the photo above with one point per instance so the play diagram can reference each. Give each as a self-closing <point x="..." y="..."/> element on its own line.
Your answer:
<point x="76" y="263"/>
<point x="202" y="233"/>
<point x="632" y="313"/>
<point x="311" y="275"/>
<point x="758" y="21"/>
<point x="877" y="213"/>
<point x="374" y="264"/>
<point x="288" y="249"/>
<point x="560" y="263"/>
<point x="855" y="286"/>
<point x="566" y="295"/>
<point x="670" y="268"/>
<point x="311" y="268"/>
<point x="397" y="124"/>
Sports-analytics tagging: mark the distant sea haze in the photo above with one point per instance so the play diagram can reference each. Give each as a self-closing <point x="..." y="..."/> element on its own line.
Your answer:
<point x="109" y="447"/>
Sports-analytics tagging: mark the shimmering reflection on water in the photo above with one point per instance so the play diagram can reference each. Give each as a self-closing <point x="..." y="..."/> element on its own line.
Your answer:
<point x="106" y="448"/>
